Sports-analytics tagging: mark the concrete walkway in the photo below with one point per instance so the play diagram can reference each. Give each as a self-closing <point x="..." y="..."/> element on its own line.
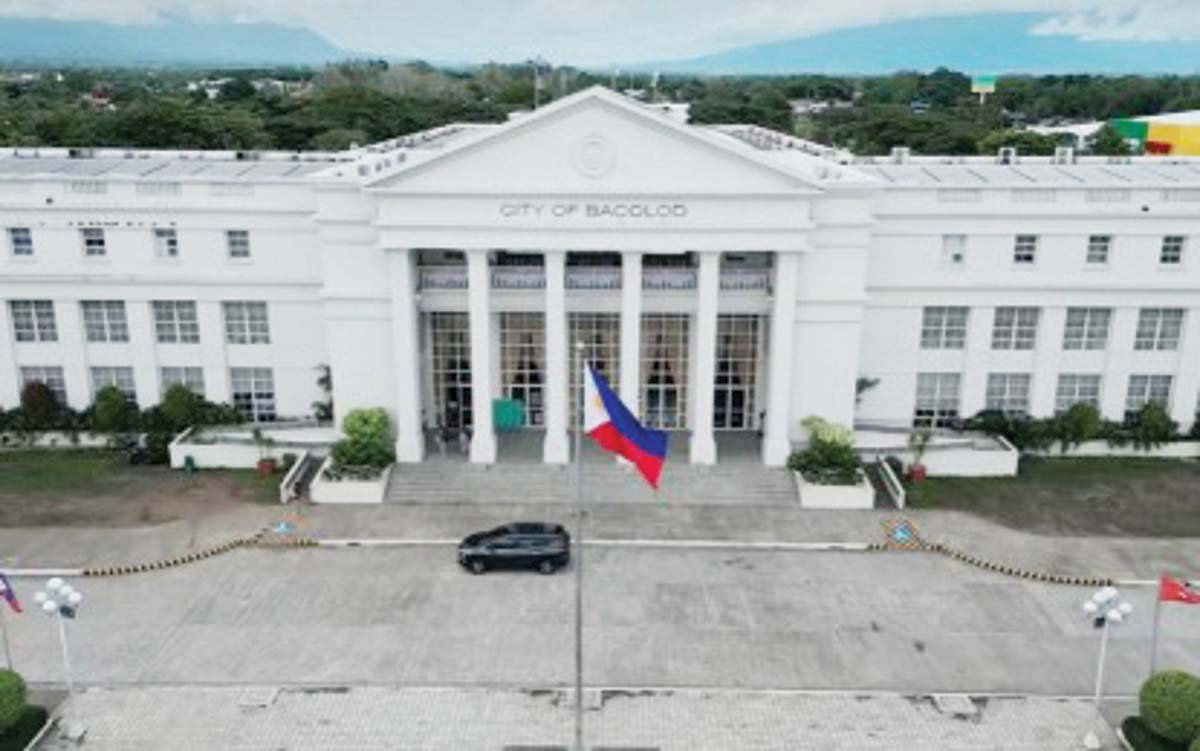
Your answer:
<point x="383" y="719"/>
<point x="1118" y="558"/>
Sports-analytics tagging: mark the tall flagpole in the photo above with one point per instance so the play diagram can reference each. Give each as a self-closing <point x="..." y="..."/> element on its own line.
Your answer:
<point x="579" y="550"/>
<point x="1154" y="636"/>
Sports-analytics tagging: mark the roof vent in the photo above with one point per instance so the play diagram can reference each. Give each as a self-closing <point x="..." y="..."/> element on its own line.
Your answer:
<point x="1006" y="155"/>
<point x="901" y="154"/>
<point x="81" y="153"/>
<point x="1064" y="155"/>
<point x="246" y="156"/>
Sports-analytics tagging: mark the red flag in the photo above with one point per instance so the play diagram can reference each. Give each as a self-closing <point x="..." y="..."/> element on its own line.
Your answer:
<point x="1173" y="590"/>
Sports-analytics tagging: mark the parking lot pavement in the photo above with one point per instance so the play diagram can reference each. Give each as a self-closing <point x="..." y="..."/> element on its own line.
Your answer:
<point x="666" y="618"/>
<point x="375" y="719"/>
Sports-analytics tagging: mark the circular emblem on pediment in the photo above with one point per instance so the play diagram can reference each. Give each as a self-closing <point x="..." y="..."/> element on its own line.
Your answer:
<point x="593" y="155"/>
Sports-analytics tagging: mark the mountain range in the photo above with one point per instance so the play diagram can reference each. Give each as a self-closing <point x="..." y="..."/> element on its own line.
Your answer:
<point x="981" y="43"/>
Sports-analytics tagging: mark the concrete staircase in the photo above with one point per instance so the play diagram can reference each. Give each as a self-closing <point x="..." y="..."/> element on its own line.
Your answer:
<point x="735" y="483"/>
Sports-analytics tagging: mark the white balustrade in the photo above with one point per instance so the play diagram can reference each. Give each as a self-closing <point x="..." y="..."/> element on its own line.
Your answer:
<point x="518" y="277"/>
<point x="583" y="277"/>
<point x="443" y="277"/>
<point x="672" y="279"/>
<point x="746" y="280"/>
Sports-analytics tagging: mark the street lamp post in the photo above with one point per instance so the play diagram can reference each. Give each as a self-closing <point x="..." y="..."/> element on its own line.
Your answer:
<point x="61" y="601"/>
<point x="1105" y="607"/>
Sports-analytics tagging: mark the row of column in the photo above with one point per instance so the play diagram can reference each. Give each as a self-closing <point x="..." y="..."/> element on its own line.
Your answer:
<point x="559" y="356"/>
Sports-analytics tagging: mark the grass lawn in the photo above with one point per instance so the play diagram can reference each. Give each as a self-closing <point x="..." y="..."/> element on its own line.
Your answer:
<point x="101" y="488"/>
<point x="1135" y="497"/>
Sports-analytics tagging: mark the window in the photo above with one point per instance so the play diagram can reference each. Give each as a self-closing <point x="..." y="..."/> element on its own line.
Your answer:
<point x="104" y="320"/>
<point x="1144" y="389"/>
<point x="192" y="378"/>
<point x="1158" y="328"/>
<point x="246" y="323"/>
<point x="1097" y="249"/>
<point x="943" y="328"/>
<point x="937" y="399"/>
<point x="1015" y="328"/>
<point x="601" y="337"/>
<point x="1076" y="388"/>
<point x="33" y="320"/>
<point x="1008" y="393"/>
<point x="93" y="242"/>
<point x="1086" y="328"/>
<point x="1172" y="250"/>
<point x="954" y="250"/>
<point x="122" y="378"/>
<point x="253" y="393"/>
<point x="52" y="376"/>
<point x="166" y="243"/>
<point x="665" y="386"/>
<point x="1025" y="249"/>
<point x="238" y="243"/>
<point x="175" y="322"/>
<point x="523" y="364"/>
<point x="20" y="241"/>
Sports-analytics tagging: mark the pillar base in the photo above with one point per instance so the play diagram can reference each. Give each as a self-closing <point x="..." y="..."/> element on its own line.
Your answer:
<point x="483" y="448"/>
<point x="702" y="448"/>
<point x="409" y="450"/>
<point x="775" y="451"/>
<point x="556" y="447"/>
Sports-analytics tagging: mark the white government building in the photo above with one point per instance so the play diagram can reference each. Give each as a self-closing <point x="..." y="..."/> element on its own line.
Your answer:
<point x="724" y="278"/>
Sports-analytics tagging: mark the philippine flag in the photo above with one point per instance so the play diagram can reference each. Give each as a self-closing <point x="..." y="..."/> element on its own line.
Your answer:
<point x="9" y="594"/>
<point x="615" y="428"/>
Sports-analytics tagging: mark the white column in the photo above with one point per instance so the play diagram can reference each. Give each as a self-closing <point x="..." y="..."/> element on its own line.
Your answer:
<point x="479" y="282"/>
<point x="1118" y="356"/>
<point x="708" y="287"/>
<point x="406" y="348"/>
<point x="975" y="359"/>
<point x="631" y="329"/>
<point x="554" y="450"/>
<point x="1046" y="361"/>
<point x="212" y="351"/>
<point x="776" y="442"/>
<point x="143" y="345"/>
<point x="1186" y="388"/>
<point x="73" y="344"/>
<point x="10" y="379"/>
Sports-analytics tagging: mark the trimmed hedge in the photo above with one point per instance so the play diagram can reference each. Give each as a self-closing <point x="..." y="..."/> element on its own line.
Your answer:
<point x="27" y="726"/>
<point x="12" y="698"/>
<point x="1151" y="427"/>
<point x="1170" y="705"/>
<point x="1143" y="738"/>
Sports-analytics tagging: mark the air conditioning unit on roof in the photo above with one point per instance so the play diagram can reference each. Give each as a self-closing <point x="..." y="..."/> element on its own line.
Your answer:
<point x="1007" y="155"/>
<point x="1064" y="155"/>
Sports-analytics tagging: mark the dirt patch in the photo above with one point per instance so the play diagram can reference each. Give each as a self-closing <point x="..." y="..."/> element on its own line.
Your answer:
<point x="99" y="489"/>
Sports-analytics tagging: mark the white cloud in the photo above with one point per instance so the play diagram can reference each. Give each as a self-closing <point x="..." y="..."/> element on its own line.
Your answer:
<point x="598" y="32"/>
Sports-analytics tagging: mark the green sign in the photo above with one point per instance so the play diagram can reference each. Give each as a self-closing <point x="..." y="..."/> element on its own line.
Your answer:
<point x="508" y="414"/>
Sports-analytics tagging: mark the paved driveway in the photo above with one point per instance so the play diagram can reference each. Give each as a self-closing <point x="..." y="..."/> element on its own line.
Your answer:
<point x="410" y="616"/>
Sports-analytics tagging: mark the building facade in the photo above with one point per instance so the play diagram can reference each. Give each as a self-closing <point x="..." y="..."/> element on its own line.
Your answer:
<point x="723" y="278"/>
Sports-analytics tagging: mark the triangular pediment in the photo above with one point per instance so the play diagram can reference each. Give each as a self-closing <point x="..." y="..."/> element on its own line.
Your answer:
<point x="594" y="142"/>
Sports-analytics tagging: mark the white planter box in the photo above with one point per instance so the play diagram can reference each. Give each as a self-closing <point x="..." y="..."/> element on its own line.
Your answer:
<point x="348" y="491"/>
<point x="58" y="440"/>
<point x="860" y="496"/>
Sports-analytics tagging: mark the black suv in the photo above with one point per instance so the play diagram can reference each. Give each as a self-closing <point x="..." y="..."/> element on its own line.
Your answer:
<point x="537" y="545"/>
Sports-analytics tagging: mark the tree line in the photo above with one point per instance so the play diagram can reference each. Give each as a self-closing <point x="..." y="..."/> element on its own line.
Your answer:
<point x="362" y="102"/>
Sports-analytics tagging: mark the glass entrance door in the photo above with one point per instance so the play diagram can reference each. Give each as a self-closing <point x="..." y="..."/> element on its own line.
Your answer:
<point x="522" y="364"/>
<point x="450" y="366"/>
<point x="736" y="381"/>
<point x="665" y="370"/>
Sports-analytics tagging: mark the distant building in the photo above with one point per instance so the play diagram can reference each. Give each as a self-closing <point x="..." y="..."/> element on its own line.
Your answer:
<point x="1173" y="134"/>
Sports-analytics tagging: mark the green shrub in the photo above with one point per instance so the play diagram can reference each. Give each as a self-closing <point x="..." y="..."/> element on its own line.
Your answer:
<point x="1143" y="738"/>
<point x="1078" y="424"/>
<point x="1153" y="426"/>
<point x="12" y="699"/>
<point x="39" y="407"/>
<point x="181" y="407"/>
<point x="1195" y="746"/>
<point x="368" y="441"/>
<point x="1170" y="705"/>
<point x="26" y="727"/>
<point x="830" y="458"/>
<point x="114" y="412"/>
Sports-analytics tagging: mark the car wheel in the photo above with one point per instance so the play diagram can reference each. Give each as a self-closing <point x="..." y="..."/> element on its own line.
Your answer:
<point x="477" y="566"/>
<point x="546" y="567"/>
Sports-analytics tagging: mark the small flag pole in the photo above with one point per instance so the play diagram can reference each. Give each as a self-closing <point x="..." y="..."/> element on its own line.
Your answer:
<point x="579" y="551"/>
<point x="1154" y="633"/>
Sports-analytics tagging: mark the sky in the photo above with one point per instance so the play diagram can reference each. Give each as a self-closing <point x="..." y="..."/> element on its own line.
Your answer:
<point x="604" y="32"/>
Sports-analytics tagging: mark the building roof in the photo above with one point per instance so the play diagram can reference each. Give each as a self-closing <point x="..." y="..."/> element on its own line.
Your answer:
<point x="161" y="165"/>
<point x="1031" y="172"/>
